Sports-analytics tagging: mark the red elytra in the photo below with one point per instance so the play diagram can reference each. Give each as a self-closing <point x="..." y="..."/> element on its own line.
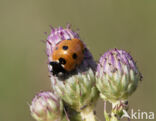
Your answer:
<point x="69" y="53"/>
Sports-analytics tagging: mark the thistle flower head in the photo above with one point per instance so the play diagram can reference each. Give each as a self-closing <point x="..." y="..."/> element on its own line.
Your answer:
<point x="46" y="106"/>
<point x="59" y="34"/>
<point x="77" y="88"/>
<point x="117" y="75"/>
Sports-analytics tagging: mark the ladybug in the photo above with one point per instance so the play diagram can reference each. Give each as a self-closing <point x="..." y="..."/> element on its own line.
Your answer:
<point x="67" y="55"/>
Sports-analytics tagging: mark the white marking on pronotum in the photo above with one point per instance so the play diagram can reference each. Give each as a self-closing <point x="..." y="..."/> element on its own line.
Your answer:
<point x="50" y="67"/>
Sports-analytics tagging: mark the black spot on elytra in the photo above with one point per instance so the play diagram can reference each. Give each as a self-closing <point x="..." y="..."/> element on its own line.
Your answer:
<point x="74" y="56"/>
<point x="65" y="47"/>
<point x="62" y="61"/>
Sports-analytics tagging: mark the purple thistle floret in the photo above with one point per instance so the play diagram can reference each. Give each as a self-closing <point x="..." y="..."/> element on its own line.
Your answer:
<point x="112" y="61"/>
<point x="117" y="75"/>
<point x="46" y="106"/>
<point x="59" y="34"/>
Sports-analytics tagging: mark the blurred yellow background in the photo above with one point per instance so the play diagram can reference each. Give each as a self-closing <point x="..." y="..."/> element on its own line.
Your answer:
<point x="103" y="24"/>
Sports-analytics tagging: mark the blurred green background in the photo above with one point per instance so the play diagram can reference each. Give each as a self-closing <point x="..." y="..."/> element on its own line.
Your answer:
<point x="103" y="24"/>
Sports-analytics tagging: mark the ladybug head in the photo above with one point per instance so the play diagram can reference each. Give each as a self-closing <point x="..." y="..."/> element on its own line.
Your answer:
<point x="56" y="68"/>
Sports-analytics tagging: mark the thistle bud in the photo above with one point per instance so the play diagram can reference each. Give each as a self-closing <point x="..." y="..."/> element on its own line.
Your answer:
<point x="46" y="106"/>
<point x="117" y="75"/>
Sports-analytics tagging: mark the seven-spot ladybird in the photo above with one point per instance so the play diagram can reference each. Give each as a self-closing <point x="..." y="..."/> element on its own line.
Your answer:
<point x="67" y="55"/>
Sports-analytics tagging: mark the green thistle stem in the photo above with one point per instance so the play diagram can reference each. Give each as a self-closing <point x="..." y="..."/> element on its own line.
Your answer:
<point x="87" y="114"/>
<point x="113" y="118"/>
<point x="106" y="115"/>
<point x="107" y="118"/>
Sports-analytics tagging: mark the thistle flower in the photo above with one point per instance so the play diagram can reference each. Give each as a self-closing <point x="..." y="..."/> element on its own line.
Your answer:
<point x="46" y="106"/>
<point x="77" y="89"/>
<point x="59" y="34"/>
<point x="56" y="36"/>
<point x="117" y="75"/>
